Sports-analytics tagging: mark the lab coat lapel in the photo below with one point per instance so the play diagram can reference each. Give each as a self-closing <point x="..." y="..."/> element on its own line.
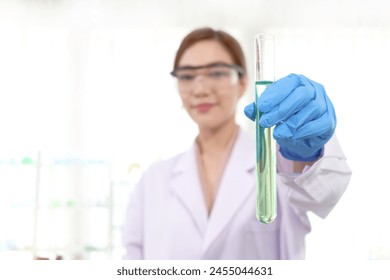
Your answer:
<point x="237" y="183"/>
<point x="186" y="186"/>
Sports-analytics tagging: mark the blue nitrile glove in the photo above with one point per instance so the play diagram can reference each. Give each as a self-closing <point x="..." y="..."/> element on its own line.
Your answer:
<point x="302" y="113"/>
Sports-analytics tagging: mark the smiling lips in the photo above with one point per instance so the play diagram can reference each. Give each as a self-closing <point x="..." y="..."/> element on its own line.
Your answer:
<point x="204" y="107"/>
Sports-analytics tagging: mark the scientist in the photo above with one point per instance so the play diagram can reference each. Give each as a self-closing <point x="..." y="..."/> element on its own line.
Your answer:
<point x="201" y="204"/>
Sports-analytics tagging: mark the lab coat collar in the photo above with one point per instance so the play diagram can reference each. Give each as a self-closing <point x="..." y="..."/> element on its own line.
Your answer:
<point x="236" y="184"/>
<point x="186" y="186"/>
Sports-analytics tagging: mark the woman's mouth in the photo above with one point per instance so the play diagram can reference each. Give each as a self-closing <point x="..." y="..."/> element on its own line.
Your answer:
<point x="204" y="107"/>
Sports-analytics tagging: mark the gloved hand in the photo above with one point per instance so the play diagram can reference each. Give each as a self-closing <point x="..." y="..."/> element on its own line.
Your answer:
<point x="302" y="113"/>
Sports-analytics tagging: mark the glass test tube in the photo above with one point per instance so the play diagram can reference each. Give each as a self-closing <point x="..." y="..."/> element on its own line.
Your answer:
<point x="266" y="206"/>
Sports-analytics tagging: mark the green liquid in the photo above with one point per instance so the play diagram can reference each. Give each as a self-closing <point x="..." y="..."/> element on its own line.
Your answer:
<point x="266" y="206"/>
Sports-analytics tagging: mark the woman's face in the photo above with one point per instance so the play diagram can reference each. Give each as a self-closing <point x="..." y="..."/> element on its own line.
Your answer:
<point x="209" y="94"/>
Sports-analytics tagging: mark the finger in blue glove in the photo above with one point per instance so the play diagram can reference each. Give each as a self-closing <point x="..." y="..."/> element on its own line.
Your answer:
<point x="250" y="111"/>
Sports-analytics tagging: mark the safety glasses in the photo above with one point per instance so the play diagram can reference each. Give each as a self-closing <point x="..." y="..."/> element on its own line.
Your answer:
<point x="216" y="76"/>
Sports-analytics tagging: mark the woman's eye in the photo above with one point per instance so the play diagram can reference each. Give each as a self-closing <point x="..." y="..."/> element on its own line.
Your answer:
<point x="218" y="74"/>
<point x="185" y="77"/>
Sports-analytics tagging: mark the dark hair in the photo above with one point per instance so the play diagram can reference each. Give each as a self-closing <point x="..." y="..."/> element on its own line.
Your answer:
<point x="226" y="40"/>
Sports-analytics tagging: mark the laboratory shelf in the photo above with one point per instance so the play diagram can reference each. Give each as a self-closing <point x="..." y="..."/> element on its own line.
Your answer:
<point x="68" y="206"/>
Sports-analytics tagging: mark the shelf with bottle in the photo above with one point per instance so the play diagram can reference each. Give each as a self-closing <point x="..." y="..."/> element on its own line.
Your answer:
<point x="64" y="205"/>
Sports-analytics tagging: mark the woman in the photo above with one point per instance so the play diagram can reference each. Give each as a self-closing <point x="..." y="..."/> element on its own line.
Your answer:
<point x="201" y="204"/>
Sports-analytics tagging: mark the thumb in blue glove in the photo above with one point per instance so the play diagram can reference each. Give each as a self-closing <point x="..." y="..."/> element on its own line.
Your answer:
<point x="302" y="113"/>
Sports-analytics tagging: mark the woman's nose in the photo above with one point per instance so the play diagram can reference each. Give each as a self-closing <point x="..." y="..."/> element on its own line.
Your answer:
<point x="200" y="86"/>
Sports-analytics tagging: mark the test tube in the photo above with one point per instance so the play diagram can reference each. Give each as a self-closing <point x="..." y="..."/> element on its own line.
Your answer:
<point x="266" y="205"/>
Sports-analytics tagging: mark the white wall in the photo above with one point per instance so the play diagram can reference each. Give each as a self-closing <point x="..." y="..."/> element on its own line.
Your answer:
<point x="92" y="77"/>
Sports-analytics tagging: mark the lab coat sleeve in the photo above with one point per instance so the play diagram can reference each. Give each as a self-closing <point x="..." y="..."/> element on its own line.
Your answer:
<point x="134" y="225"/>
<point x="319" y="187"/>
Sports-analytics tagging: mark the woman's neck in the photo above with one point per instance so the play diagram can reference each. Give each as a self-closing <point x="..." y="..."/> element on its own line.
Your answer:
<point x="214" y="148"/>
<point x="214" y="141"/>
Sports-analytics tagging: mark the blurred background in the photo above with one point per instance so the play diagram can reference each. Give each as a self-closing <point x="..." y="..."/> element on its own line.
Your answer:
<point x="87" y="104"/>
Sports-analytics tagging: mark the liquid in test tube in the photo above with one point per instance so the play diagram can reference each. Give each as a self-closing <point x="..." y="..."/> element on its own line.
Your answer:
<point x="266" y="201"/>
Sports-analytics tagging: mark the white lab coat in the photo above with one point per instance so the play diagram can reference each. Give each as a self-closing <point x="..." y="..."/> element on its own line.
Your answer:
<point x="167" y="216"/>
